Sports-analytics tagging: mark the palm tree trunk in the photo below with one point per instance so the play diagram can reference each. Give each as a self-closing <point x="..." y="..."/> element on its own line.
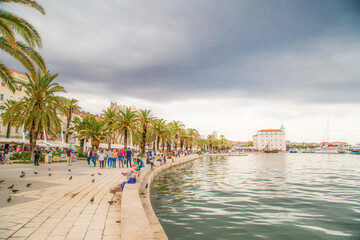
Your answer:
<point x="125" y="138"/>
<point x="82" y="143"/>
<point x="33" y="138"/>
<point x="163" y="145"/>
<point x="158" y="143"/>
<point x="8" y="134"/>
<point x="143" y="140"/>
<point x="168" y="146"/>
<point x="67" y="128"/>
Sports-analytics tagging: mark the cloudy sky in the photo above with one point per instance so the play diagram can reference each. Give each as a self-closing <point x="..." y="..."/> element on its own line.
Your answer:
<point x="230" y="66"/>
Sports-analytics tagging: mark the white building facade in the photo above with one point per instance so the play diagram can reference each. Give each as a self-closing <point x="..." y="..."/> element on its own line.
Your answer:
<point x="273" y="138"/>
<point x="6" y="94"/>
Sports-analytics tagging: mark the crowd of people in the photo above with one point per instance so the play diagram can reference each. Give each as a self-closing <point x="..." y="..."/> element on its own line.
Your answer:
<point x="111" y="158"/>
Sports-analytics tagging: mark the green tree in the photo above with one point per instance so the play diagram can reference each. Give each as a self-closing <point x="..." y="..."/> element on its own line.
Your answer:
<point x="176" y="128"/>
<point x="7" y="118"/>
<point x="145" y="118"/>
<point x="126" y="123"/>
<point x="109" y="116"/>
<point x="193" y="137"/>
<point x="12" y="26"/>
<point x="161" y="131"/>
<point x="94" y="129"/>
<point x="38" y="110"/>
<point x="79" y="125"/>
<point x="72" y="107"/>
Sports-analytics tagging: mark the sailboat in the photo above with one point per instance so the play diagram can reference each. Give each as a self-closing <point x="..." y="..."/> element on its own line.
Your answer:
<point x="267" y="150"/>
<point x="326" y="148"/>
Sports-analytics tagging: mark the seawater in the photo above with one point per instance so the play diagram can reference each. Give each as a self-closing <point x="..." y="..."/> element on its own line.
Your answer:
<point x="261" y="196"/>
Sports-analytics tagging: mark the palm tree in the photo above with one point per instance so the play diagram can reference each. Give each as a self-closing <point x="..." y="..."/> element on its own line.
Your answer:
<point x="93" y="129"/>
<point x="79" y="125"/>
<point x="38" y="110"/>
<point x="145" y="119"/>
<point x="161" y="131"/>
<point x="109" y="116"/>
<point x="72" y="107"/>
<point x="210" y="141"/>
<point x="201" y="143"/>
<point x="12" y="26"/>
<point x="176" y="127"/>
<point x="7" y="118"/>
<point x="193" y="136"/>
<point x="126" y="123"/>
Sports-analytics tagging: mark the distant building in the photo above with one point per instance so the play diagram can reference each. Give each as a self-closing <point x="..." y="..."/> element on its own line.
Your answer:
<point x="273" y="138"/>
<point x="215" y="135"/>
<point x="7" y="94"/>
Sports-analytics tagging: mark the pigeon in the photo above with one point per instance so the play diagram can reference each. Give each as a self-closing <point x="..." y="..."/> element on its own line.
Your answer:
<point x="99" y="173"/>
<point x="92" y="175"/>
<point x="11" y="186"/>
<point x="146" y="186"/>
<point x="93" y="180"/>
<point x="111" y="202"/>
<point x="69" y="170"/>
<point x="50" y="174"/>
<point x="22" y="172"/>
<point x="28" y="185"/>
<point x="92" y="200"/>
<point x="36" y="173"/>
<point x="70" y="177"/>
<point x="49" y="169"/>
<point x="1" y="181"/>
<point x="14" y="190"/>
<point x="22" y="175"/>
<point x="9" y="199"/>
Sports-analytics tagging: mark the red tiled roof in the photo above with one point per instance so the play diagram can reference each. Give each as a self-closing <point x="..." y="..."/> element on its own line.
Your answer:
<point x="12" y="70"/>
<point x="270" y="130"/>
<point x="255" y="135"/>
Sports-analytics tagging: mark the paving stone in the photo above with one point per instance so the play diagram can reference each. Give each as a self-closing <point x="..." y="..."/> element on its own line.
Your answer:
<point x="112" y="230"/>
<point x="60" y="231"/>
<point x="24" y="232"/>
<point x="38" y="236"/>
<point x="6" y="234"/>
<point x="93" y="235"/>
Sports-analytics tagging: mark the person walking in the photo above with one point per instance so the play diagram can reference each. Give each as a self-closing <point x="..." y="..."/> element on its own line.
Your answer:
<point x="36" y="156"/>
<point x="109" y="154"/>
<point x="128" y="157"/>
<point x="114" y="157"/>
<point x="68" y="156"/>
<point x="102" y="158"/>
<point x="120" y="158"/>
<point x="89" y="156"/>
<point x="94" y="156"/>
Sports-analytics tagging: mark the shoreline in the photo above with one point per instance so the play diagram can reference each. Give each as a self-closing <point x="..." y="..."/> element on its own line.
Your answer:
<point x="136" y="208"/>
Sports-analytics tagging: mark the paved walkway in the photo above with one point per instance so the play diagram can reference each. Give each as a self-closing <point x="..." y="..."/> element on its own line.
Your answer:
<point x="55" y="207"/>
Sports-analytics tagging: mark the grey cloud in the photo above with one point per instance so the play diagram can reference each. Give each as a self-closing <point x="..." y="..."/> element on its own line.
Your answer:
<point x="254" y="49"/>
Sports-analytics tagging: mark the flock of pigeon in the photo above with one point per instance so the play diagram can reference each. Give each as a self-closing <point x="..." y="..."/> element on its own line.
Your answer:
<point x="23" y="174"/>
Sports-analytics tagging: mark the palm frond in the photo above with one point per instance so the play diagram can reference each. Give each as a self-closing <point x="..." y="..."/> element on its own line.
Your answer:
<point x="28" y="3"/>
<point x="6" y="76"/>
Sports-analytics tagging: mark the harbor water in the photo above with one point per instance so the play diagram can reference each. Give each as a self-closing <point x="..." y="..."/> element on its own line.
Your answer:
<point x="261" y="196"/>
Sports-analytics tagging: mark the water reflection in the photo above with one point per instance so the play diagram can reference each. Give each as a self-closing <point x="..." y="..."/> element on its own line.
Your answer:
<point x="262" y="196"/>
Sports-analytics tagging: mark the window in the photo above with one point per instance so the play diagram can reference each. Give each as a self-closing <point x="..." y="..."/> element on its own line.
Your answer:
<point x="2" y="83"/>
<point x="1" y="96"/>
<point x="20" y="87"/>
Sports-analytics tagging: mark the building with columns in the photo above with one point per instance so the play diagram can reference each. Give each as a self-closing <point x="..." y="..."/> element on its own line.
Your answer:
<point x="273" y="138"/>
<point x="7" y="94"/>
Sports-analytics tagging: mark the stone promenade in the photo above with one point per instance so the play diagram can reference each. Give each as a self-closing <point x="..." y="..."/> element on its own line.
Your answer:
<point x="55" y="207"/>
